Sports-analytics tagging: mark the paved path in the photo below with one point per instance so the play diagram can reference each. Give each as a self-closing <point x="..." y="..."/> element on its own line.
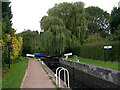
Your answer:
<point x="36" y="77"/>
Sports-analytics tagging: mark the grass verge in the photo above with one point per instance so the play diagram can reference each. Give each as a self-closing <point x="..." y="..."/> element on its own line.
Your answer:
<point x="15" y="76"/>
<point x="54" y="83"/>
<point x="107" y="64"/>
<point x="43" y="68"/>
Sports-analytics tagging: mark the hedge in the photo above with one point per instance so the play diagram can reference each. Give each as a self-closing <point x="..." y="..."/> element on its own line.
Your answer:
<point x="96" y="51"/>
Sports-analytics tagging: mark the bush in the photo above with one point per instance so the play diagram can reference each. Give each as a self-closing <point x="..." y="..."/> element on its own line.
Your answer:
<point x="96" y="51"/>
<point x="15" y="48"/>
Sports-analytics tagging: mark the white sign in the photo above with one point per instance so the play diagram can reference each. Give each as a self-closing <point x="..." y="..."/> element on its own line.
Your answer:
<point x="107" y="47"/>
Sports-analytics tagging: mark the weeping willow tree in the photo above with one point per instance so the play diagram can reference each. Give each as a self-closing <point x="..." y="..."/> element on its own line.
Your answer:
<point x="65" y="25"/>
<point x="74" y="18"/>
<point x="56" y="38"/>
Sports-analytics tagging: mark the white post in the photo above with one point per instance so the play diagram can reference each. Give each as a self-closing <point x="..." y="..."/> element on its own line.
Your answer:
<point x="56" y="74"/>
<point x="59" y="75"/>
<point x="64" y="77"/>
<point x="66" y="57"/>
<point x="68" y="78"/>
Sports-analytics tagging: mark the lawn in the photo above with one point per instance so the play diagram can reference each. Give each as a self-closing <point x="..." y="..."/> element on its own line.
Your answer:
<point x="107" y="64"/>
<point x="15" y="76"/>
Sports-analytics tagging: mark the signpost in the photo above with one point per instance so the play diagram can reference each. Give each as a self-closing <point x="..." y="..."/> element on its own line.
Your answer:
<point x="108" y="49"/>
<point x="9" y="44"/>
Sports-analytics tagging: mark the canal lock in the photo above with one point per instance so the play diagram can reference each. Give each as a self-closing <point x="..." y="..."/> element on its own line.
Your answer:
<point x="53" y="63"/>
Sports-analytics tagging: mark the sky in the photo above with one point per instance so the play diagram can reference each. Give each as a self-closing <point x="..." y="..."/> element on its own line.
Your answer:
<point x="28" y="13"/>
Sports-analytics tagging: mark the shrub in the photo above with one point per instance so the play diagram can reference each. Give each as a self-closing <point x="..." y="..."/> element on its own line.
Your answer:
<point x="96" y="51"/>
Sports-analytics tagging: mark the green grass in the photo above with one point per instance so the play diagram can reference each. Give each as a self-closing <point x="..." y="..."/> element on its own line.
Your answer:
<point x="15" y="76"/>
<point x="49" y="77"/>
<point x="54" y="83"/>
<point x="107" y="64"/>
<point x="43" y="68"/>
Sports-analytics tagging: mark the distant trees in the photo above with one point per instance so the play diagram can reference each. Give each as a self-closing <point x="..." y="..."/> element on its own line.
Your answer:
<point x="31" y="41"/>
<point x="115" y="19"/>
<point x="115" y="24"/>
<point x="98" y="21"/>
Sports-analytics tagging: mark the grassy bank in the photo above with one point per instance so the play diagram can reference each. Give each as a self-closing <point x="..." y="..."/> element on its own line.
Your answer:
<point x="15" y="76"/>
<point x="107" y="64"/>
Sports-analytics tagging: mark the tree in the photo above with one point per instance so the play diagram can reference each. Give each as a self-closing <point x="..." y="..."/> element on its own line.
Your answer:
<point x="115" y="35"/>
<point x="67" y="23"/>
<point x="73" y="16"/>
<point x="6" y="30"/>
<point x="98" y="21"/>
<point x="115" y="19"/>
<point x="6" y="18"/>
<point x="56" y="38"/>
<point x="31" y="42"/>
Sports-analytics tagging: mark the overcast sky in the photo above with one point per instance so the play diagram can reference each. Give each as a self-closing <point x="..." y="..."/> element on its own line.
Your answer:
<point x="28" y="13"/>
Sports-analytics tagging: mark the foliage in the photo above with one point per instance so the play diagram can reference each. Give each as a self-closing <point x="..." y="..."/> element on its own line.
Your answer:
<point x="15" y="76"/>
<point x="98" y="21"/>
<point x="6" y="38"/>
<point x="93" y="39"/>
<point x="115" y="19"/>
<point x="6" y="18"/>
<point x="15" y="48"/>
<point x="65" y="25"/>
<point x="115" y="24"/>
<point x="8" y="35"/>
<point x="56" y="36"/>
<point x="31" y="42"/>
<point x="73" y="16"/>
<point x="96" y="51"/>
<point x="116" y="35"/>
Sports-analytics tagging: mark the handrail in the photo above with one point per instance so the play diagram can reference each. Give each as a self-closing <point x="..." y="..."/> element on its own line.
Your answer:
<point x="64" y="76"/>
<point x="56" y="74"/>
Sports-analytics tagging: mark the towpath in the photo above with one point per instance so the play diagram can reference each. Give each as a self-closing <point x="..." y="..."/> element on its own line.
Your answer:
<point x="35" y="76"/>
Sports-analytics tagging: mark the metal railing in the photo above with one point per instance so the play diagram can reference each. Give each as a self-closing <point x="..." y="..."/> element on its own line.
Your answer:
<point x="65" y="70"/>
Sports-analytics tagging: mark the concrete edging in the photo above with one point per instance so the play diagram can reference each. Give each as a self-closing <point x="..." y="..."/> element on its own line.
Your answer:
<point x="52" y="74"/>
<point x="109" y="75"/>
